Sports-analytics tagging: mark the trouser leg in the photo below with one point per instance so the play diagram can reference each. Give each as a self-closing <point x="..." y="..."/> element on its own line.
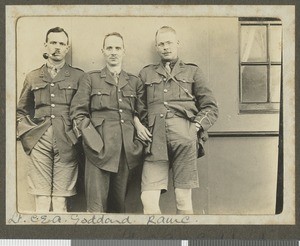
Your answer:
<point x="96" y="188"/>
<point x="150" y="200"/>
<point x="118" y="187"/>
<point x="184" y="201"/>
<point x="39" y="175"/>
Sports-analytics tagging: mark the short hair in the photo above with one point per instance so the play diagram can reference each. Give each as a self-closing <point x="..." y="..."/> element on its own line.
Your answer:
<point x="57" y="29"/>
<point x="113" y="34"/>
<point x="164" y="29"/>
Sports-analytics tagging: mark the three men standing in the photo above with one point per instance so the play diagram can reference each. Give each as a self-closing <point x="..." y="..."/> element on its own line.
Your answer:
<point x="44" y="125"/>
<point x="180" y="108"/>
<point x="170" y="98"/>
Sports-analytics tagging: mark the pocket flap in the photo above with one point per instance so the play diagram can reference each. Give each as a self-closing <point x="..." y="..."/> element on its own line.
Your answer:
<point x="67" y="85"/>
<point x="185" y="78"/>
<point x="97" y="121"/>
<point x="153" y="81"/>
<point x="129" y="94"/>
<point x="38" y="86"/>
<point x="100" y="91"/>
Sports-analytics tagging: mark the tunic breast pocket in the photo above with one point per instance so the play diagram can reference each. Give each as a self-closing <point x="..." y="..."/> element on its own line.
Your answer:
<point x="41" y="94"/>
<point x="100" y="98"/>
<point x="184" y="87"/>
<point x="154" y="93"/>
<point x="129" y="97"/>
<point x="68" y="90"/>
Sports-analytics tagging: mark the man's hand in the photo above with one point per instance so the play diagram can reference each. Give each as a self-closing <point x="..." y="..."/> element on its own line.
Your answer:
<point x="142" y="132"/>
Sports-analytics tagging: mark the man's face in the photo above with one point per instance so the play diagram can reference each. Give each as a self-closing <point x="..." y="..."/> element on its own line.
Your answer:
<point x="167" y="45"/>
<point x="113" y="50"/>
<point x="57" y="46"/>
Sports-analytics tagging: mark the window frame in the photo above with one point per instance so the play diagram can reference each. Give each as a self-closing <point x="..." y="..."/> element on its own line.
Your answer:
<point x="260" y="107"/>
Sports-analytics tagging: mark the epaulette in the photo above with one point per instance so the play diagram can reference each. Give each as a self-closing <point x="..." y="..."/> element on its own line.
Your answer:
<point x="94" y="71"/>
<point x="130" y="74"/>
<point x="192" y="64"/>
<point x="78" y="69"/>
<point x="37" y="68"/>
<point x="150" y="65"/>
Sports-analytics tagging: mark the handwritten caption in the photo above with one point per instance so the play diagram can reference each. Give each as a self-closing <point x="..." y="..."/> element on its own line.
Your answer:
<point x="102" y="219"/>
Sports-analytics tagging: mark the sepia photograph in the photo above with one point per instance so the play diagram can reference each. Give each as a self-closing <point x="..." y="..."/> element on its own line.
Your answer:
<point x="150" y="115"/>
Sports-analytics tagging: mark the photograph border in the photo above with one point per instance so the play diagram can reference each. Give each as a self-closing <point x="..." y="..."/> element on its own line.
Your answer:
<point x="288" y="152"/>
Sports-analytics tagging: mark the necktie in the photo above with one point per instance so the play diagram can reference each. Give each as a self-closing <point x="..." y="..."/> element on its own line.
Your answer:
<point x="116" y="77"/>
<point x="167" y="67"/>
<point x="53" y="72"/>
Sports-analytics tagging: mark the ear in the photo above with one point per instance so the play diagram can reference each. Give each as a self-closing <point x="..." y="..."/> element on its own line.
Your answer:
<point x="102" y="50"/>
<point x="45" y="45"/>
<point x="68" y="48"/>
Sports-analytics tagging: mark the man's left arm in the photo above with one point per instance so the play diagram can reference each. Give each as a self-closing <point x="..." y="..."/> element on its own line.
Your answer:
<point x="140" y="119"/>
<point x="205" y="102"/>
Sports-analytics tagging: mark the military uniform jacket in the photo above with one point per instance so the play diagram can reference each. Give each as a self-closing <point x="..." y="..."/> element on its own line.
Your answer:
<point x="45" y="101"/>
<point x="182" y="93"/>
<point x="103" y="112"/>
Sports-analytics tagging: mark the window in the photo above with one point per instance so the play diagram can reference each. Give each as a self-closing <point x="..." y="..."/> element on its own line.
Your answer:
<point x="260" y="65"/>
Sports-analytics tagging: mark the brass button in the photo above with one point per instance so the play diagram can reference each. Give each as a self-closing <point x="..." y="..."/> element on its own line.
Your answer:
<point x="119" y="90"/>
<point x="161" y="115"/>
<point x="165" y="103"/>
<point x="52" y="116"/>
<point x="52" y="95"/>
<point x="165" y="90"/>
<point x="122" y="121"/>
<point x="52" y="84"/>
<point x="120" y="100"/>
<point x="52" y="105"/>
<point x="120" y="110"/>
<point x="164" y="79"/>
<point x="69" y="87"/>
<point x="99" y="93"/>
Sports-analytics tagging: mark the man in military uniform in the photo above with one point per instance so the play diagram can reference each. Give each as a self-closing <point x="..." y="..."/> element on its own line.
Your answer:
<point x="103" y="111"/>
<point x="180" y="107"/>
<point x="44" y="125"/>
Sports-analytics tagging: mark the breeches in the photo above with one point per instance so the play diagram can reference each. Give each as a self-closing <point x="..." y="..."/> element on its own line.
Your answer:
<point x="47" y="175"/>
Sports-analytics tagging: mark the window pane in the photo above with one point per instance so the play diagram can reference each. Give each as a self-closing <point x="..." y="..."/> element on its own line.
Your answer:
<point x="275" y="78"/>
<point x="253" y="43"/>
<point x="275" y="43"/>
<point x="254" y="83"/>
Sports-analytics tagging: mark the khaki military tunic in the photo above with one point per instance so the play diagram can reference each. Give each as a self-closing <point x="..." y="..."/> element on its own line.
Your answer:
<point x="103" y="111"/>
<point x="183" y="93"/>
<point x="44" y="102"/>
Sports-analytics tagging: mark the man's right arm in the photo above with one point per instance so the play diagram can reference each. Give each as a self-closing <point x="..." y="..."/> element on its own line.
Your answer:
<point x="26" y="102"/>
<point x="80" y="105"/>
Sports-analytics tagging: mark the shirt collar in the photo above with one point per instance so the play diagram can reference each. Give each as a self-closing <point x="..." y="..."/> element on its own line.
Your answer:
<point x="172" y="62"/>
<point x="114" y="70"/>
<point x="57" y="66"/>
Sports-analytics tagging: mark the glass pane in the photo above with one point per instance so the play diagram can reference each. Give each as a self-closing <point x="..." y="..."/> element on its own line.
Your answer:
<point x="253" y="43"/>
<point x="254" y="83"/>
<point x="275" y="78"/>
<point x="275" y="43"/>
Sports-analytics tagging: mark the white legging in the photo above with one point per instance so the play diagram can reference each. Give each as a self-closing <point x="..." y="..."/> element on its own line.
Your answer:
<point x="150" y="200"/>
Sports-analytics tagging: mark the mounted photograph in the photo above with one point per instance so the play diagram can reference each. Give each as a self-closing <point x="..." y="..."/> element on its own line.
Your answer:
<point x="165" y="116"/>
